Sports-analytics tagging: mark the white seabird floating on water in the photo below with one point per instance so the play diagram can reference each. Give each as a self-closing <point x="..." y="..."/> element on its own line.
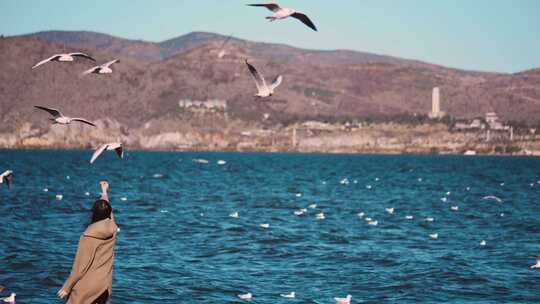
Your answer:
<point x="434" y="236"/>
<point x="10" y="299"/>
<point x="200" y="161"/>
<point x="344" y="181"/>
<point x="390" y="210"/>
<point x="263" y="90"/>
<point x="290" y="295"/>
<point x="246" y="296"/>
<point x="299" y="212"/>
<point x="59" y="118"/>
<point x="68" y="57"/>
<point x="346" y="300"/>
<point x="108" y="147"/>
<point x="284" y="12"/>
<point x="492" y="197"/>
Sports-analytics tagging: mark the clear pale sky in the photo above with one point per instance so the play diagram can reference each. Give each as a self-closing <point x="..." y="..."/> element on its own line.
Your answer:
<point x="487" y="35"/>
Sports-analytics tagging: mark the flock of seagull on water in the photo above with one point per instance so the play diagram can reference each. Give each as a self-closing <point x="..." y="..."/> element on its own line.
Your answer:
<point x="263" y="90"/>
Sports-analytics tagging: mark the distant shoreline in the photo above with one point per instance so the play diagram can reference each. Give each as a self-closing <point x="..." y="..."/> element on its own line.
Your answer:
<point x="382" y="153"/>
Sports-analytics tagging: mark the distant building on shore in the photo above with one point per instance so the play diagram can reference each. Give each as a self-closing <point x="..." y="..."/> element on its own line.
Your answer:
<point x="436" y="112"/>
<point x="492" y="119"/>
<point x="475" y="124"/>
<point x="211" y="104"/>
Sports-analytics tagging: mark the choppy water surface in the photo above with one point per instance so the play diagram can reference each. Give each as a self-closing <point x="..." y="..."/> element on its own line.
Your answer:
<point x="178" y="244"/>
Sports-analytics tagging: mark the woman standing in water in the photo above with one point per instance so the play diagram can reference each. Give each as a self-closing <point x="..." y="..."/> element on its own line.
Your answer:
<point x="90" y="280"/>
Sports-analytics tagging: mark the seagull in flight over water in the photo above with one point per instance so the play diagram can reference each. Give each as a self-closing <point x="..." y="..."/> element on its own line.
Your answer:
<point x="109" y="147"/>
<point x="102" y="69"/>
<point x="59" y="118"/>
<point x="63" y="58"/>
<point x="6" y="178"/>
<point x="263" y="89"/>
<point x="284" y="12"/>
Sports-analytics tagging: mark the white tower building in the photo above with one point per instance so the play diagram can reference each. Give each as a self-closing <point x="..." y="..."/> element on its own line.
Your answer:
<point x="436" y="104"/>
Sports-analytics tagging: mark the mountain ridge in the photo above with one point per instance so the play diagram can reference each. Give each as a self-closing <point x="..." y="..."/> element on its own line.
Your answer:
<point x="148" y="51"/>
<point x="147" y="91"/>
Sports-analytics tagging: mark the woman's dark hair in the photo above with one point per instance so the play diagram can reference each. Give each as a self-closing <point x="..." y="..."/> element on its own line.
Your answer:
<point x="100" y="211"/>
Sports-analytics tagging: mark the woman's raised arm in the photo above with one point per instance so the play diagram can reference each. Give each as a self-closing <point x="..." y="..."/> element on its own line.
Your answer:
<point x="104" y="188"/>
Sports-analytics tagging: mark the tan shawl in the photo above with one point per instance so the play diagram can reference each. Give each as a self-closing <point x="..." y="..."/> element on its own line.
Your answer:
<point x="91" y="274"/>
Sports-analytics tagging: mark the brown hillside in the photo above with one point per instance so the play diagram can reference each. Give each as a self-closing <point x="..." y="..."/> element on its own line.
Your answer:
<point x="139" y="92"/>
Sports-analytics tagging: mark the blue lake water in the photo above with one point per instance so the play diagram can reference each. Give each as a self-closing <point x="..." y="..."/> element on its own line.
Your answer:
<point x="177" y="243"/>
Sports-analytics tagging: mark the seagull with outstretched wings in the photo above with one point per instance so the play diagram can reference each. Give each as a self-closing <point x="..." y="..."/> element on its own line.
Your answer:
<point x="263" y="89"/>
<point x="102" y="69"/>
<point x="68" y="57"/>
<point x="284" y="12"/>
<point x="110" y="146"/>
<point x="59" y="118"/>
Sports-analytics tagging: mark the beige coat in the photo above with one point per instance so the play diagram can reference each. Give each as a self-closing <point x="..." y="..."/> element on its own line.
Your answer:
<point x="91" y="274"/>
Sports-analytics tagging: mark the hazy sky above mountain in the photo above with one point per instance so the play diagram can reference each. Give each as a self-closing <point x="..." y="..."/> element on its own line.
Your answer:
<point x="488" y="35"/>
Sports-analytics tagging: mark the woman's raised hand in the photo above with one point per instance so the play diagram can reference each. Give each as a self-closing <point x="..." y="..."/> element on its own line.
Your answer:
<point x="61" y="293"/>
<point x="104" y="186"/>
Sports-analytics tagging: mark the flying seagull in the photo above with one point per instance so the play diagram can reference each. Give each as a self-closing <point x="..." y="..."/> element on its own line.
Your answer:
<point x="283" y="12"/>
<point x="6" y="178"/>
<point x="101" y="69"/>
<point x="111" y="146"/>
<point x="222" y="51"/>
<point x="63" y="57"/>
<point x="59" y="118"/>
<point x="263" y="89"/>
